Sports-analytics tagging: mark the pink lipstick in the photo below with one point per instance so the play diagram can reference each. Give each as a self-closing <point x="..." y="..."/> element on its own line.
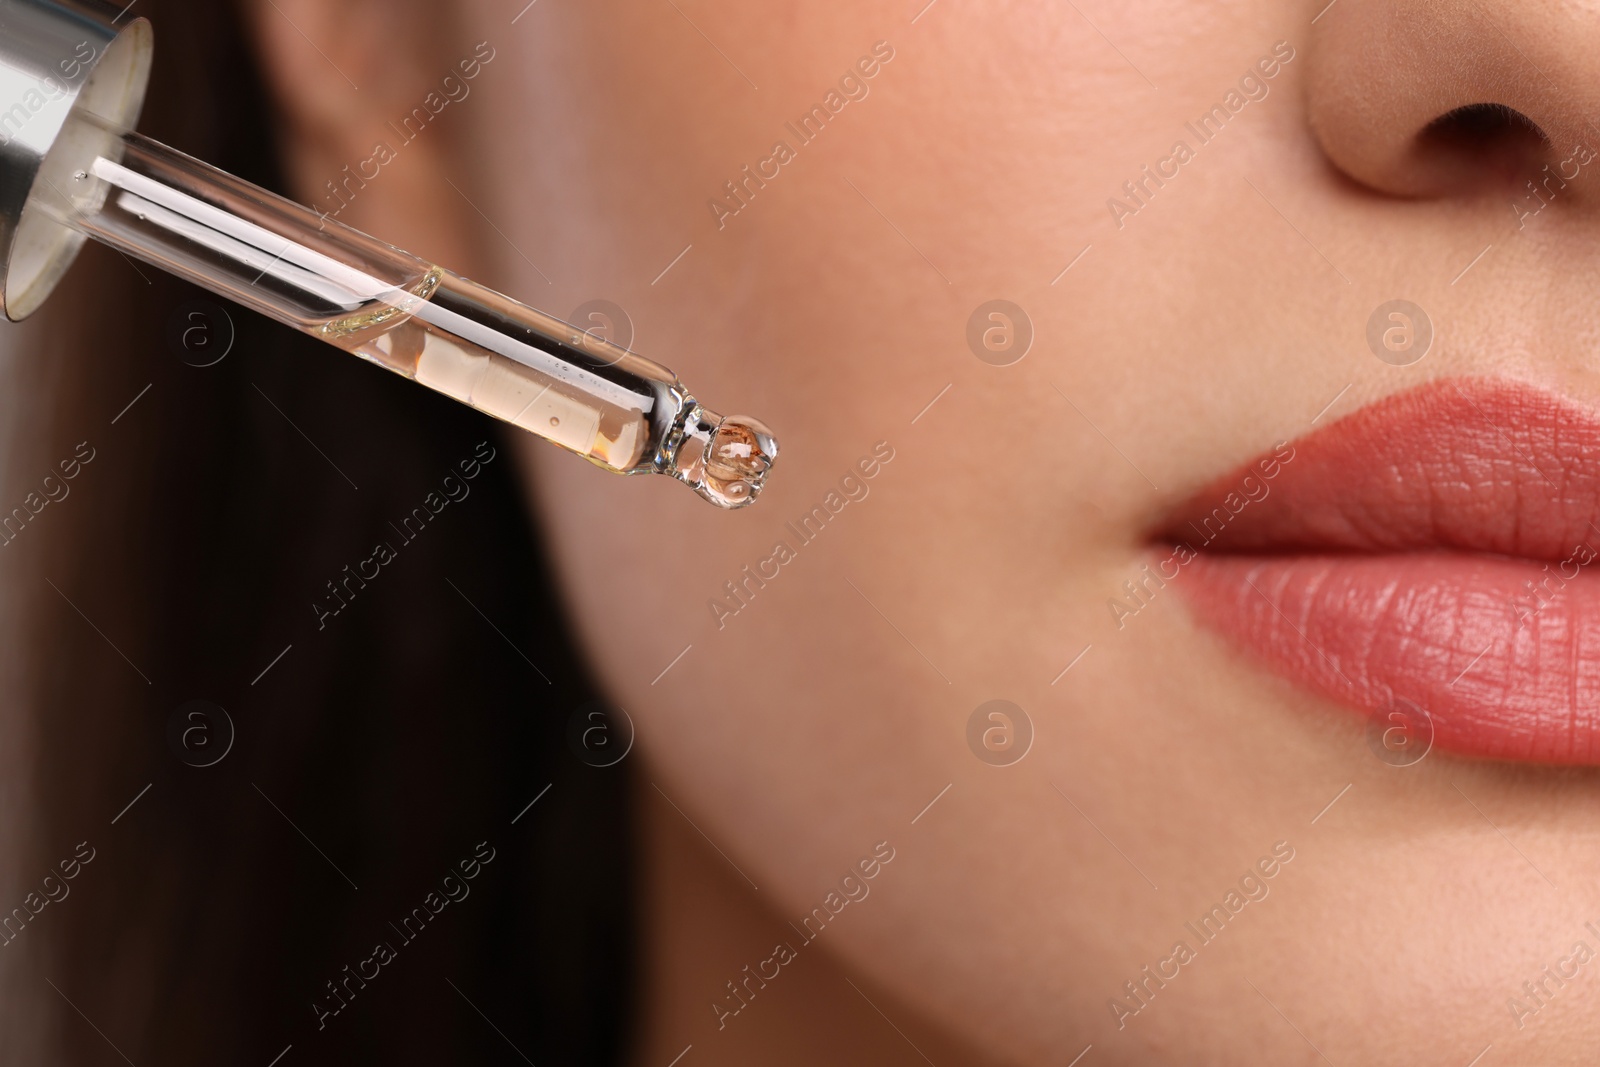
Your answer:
<point x="1436" y="548"/>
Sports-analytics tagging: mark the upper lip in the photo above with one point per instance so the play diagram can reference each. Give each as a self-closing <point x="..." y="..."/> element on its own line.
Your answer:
<point x="1475" y="466"/>
<point x="1432" y="548"/>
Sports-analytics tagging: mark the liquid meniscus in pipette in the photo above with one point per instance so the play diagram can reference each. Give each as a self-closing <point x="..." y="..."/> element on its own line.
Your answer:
<point x="569" y="386"/>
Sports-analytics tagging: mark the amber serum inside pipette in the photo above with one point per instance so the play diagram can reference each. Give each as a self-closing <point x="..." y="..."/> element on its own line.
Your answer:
<point x="614" y="408"/>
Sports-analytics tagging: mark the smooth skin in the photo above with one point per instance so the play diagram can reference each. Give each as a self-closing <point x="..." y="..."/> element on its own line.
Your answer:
<point x="1228" y="312"/>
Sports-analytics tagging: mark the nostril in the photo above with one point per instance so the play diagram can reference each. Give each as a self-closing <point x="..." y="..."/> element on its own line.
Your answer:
<point x="1486" y="139"/>
<point x="1476" y="125"/>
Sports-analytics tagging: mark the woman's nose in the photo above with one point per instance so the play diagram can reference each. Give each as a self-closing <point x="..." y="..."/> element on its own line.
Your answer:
<point x="1460" y="98"/>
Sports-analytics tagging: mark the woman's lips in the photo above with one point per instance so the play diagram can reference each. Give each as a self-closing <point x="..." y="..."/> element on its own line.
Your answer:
<point x="1433" y="548"/>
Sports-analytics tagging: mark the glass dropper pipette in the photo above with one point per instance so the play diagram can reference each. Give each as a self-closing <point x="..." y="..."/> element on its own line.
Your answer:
<point x="617" y="409"/>
<point x="67" y="171"/>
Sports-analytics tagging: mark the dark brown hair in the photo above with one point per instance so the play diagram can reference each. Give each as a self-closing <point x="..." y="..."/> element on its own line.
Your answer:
<point x="378" y="751"/>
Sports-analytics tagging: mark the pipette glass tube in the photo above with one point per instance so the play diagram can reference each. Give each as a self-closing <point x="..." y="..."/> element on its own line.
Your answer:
<point x="569" y="386"/>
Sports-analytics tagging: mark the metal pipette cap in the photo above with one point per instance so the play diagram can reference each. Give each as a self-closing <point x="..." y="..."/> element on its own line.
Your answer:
<point x="57" y="56"/>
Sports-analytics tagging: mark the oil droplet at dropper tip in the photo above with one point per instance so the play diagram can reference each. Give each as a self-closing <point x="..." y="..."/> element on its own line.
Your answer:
<point x="725" y="460"/>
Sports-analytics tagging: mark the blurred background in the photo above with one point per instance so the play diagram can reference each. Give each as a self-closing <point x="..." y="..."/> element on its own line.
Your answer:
<point x="251" y="851"/>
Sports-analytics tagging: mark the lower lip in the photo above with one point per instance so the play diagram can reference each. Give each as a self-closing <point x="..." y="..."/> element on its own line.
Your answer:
<point x="1499" y="675"/>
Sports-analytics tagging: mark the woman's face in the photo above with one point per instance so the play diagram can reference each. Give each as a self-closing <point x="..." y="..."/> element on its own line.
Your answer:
<point x="1021" y="288"/>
